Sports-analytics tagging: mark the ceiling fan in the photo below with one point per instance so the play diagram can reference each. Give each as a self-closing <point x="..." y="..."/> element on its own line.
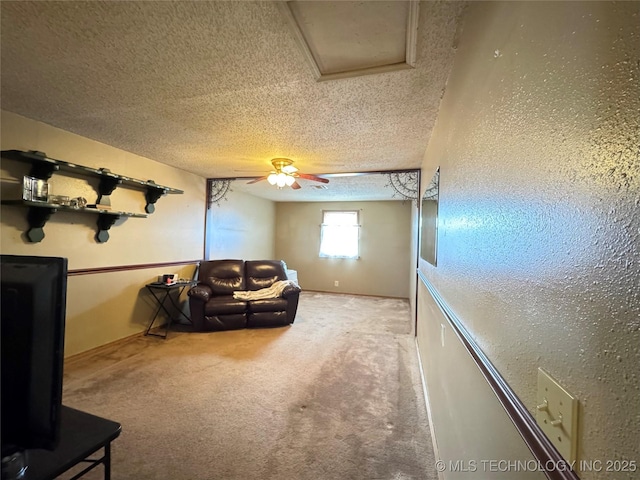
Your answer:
<point x="285" y="174"/>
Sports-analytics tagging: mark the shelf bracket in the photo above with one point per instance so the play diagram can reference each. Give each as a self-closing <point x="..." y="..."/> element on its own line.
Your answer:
<point x="37" y="219"/>
<point x="42" y="170"/>
<point x="151" y="196"/>
<point x="41" y="167"/>
<point x="105" y="222"/>
<point x="107" y="186"/>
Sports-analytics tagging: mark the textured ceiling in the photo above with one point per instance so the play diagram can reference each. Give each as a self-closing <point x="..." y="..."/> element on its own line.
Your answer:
<point x="217" y="88"/>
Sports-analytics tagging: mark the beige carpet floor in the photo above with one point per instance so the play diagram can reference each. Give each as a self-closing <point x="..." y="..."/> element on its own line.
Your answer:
<point x="337" y="395"/>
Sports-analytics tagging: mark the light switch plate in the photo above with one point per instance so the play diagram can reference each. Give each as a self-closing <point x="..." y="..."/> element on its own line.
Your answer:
<point x="557" y="415"/>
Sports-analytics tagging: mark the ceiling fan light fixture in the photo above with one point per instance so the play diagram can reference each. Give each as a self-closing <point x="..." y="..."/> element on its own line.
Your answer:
<point x="281" y="179"/>
<point x="289" y="180"/>
<point x="284" y="174"/>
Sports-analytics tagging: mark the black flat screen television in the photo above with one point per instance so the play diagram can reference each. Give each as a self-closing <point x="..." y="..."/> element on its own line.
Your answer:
<point x="33" y="300"/>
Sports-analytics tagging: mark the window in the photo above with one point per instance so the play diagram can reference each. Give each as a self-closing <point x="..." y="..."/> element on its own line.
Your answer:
<point x="339" y="234"/>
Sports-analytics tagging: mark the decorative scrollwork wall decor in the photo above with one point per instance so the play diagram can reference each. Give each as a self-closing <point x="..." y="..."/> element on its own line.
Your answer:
<point x="218" y="189"/>
<point x="405" y="184"/>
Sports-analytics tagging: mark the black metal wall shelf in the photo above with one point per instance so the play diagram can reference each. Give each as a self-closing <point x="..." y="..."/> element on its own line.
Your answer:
<point x="40" y="213"/>
<point x="43" y="167"/>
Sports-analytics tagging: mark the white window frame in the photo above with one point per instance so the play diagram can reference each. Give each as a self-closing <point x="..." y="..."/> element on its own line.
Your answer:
<point x="329" y="249"/>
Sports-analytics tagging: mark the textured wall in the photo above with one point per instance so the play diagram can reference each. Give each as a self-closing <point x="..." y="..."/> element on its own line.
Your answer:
<point x="461" y="427"/>
<point x="539" y="230"/>
<point x="242" y="226"/>
<point x="385" y="264"/>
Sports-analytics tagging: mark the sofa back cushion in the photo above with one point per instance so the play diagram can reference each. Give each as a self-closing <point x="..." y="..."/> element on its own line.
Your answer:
<point x="264" y="273"/>
<point x="223" y="276"/>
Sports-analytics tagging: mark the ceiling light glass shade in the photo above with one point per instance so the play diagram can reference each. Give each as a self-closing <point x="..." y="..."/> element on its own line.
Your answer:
<point x="272" y="178"/>
<point x="289" y="180"/>
<point x="281" y="180"/>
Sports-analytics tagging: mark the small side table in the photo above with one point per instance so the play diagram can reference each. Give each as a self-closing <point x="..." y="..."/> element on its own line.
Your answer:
<point x="157" y="290"/>
<point x="81" y="435"/>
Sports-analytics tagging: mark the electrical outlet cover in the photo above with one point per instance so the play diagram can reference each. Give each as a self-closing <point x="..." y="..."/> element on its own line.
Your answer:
<point x="557" y="415"/>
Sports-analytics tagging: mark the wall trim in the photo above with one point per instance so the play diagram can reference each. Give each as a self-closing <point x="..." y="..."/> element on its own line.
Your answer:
<point x="81" y="357"/>
<point x="541" y="447"/>
<point x="359" y="295"/>
<point x="123" y="268"/>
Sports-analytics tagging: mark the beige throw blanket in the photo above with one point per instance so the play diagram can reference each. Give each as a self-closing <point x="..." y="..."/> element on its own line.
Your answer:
<point x="274" y="291"/>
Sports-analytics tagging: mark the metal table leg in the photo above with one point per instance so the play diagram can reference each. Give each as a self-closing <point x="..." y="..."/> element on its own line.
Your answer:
<point x="161" y="306"/>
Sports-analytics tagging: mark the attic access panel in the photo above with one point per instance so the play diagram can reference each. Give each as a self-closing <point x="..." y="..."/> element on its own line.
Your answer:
<point x="347" y="39"/>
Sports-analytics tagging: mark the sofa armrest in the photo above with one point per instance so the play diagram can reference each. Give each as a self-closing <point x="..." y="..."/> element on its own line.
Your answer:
<point x="291" y="290"/>
<point x="200" y="292"/>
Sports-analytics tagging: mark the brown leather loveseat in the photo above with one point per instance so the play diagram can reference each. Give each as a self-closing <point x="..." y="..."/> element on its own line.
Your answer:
<point x="213" y="304"/>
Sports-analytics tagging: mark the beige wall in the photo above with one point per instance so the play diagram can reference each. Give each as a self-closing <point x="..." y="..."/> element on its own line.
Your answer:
<point x="108" y="306"/>
<point x="242" y="226"/>
<point x="539" y="233"/>
<point x="468" y="433"/>
<point x="385" y="263"/>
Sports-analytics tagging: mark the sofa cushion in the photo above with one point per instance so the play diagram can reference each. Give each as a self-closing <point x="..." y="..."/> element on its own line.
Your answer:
<point x="263" y="273"/>
<point x="268" y="305"/>
<point x="224" y="305"/>
<point x="267" y="319"/>
<point x="224" y="322"/>
<point x="223" y="276"/>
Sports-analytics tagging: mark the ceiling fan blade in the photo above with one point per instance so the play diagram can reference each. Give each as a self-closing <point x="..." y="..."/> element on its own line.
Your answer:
<point x="296" y="186"/>
<point x="313" y="177"/>
<point x="257" y="180"/>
